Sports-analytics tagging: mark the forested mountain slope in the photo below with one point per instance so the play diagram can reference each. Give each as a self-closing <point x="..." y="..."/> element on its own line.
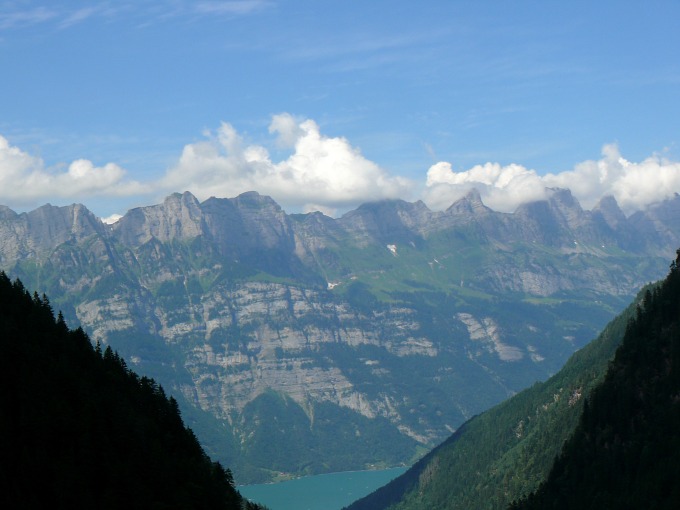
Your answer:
<point x="505" y="452"/>
<point x="625" y="453"/>
<point x="78" y="429"/>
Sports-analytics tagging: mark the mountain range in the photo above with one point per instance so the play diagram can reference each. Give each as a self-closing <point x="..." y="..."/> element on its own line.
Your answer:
<point x="304" y="344"/>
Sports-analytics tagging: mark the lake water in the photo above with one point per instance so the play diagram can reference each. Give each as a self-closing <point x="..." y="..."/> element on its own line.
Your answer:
<point x="321" y="492"/>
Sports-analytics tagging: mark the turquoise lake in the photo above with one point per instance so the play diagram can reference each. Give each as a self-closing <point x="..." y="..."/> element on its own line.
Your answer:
<point x="322" y="492"/>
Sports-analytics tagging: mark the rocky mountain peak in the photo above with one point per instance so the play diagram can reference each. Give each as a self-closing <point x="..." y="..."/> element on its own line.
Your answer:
<point x="557" y="221"/>
<point x="253" y="200"/>
<point x="71" y="220"/>
<point x="263" y="220"/>
<point x="181" y="200"/>
<point x="666" y="211"/>
<point x="567" y="208"/>
<point x="470" y="205"/>
<point x="537" y="222"/>
<point x="386" y="221"/>
<point x="608" y="209"/>
<point x="35" y="234"/>
<point x="261" y="215"/>
<point x="178" y="217"/>
<point x="6" y="213"/>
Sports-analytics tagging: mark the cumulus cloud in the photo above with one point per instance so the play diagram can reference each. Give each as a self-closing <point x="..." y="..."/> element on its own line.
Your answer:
<point x="322" y="173"/>
<point x="287" y="128"/>
<point x="24" y="179"/>
<point x="634" y="185"/>
<point x="110" y="220"/>
<point x="503" y="188"/>
<point x="327" y="174"/>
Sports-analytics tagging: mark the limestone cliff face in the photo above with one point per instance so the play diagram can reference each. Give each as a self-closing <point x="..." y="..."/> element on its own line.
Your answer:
<point x="289" y="329"/>
<point x="282" y="333"/>
<point x="35" y="234"/>
<point x="486" y="334"/>
<point x="392" y="314"/>
<point x="178" y="218"/>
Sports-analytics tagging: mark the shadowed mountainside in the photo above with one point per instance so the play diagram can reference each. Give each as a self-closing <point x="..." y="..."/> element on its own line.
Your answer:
<point x="78" y="429"/>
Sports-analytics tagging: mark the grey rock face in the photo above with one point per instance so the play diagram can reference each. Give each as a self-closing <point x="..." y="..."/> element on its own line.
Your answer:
<point x="178" y="218"/>
<point x="33" y="235"/>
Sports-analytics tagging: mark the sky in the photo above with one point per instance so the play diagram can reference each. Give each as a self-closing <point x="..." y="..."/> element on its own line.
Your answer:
<point x="326" y="104"/>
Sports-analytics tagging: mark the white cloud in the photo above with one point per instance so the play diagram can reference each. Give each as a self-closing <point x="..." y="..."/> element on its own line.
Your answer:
<point x="110" y="220"/>
<point x="78" y="16"/>
<point x="327" y="174"/>
<point x="322" y="172"/>
<point x="503" y="188"/>
<point x="23" y="18"/>
<point x="634" y="185"/>
<point x="64" y="15"/>
<point x="231" y="7"/>
<point x="287" y="128"/>
<point x="24" y="179"/>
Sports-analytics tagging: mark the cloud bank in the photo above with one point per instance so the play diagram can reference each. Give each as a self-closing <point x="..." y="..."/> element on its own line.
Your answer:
<point x="326" y="173"/>
<point x="322" y="173"/>
<point x="503" y="188"/>
<point x="24" y="179"/>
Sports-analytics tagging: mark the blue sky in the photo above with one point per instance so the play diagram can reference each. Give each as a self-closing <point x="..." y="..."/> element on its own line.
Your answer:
<point x="326" y="104"/>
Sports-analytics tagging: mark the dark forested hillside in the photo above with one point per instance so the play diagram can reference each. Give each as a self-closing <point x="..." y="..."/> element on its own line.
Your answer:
<point x="78" y="429"/>
<point x="625" y="452"/>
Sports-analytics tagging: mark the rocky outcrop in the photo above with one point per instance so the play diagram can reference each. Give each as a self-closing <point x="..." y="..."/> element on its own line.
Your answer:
<point x="35" y="234"/>
<point x="178" y="218"/>
<point x="486" y="334"/>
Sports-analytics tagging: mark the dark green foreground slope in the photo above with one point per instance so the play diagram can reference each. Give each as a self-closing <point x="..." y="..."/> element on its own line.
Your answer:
<point x="625" y="453"/>
<point x="504" y="453"/>
<point x="78" y="429"/>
